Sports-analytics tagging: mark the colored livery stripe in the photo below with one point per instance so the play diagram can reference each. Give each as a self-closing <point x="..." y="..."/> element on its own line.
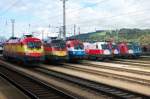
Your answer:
<point x="95" y="51"/>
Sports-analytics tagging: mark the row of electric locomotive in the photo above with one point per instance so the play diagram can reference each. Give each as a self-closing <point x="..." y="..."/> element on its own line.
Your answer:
<point x="29" y="49"/>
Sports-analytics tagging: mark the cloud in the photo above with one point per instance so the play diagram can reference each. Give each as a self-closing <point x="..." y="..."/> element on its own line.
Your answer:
<point x="86" y="14"/>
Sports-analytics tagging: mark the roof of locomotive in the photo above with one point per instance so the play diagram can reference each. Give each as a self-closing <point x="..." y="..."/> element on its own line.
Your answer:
<point x="101" y="42"/>
<point x="23" y="40"/>
<point x="74" y="41"/>
<point x="70" y="39"/>
<point x="57" y="41"/>
<point x="95" y="43"/>
<point x="30" y="39"/>
<point x="54" y="41"/>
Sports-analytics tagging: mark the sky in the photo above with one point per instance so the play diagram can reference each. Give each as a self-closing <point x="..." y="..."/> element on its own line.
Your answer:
<point x="46" y="16"/>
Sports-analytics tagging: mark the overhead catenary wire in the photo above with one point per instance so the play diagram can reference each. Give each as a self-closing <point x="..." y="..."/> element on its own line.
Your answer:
<point x="94" y="4"/>
<point x="114" y="16"/>
<point x="132" y="25"/>
<point x="11" y="6"/>
<point x="79" y="9"/>
<point x="110" y="17"/>
<point x="82" y="8"/>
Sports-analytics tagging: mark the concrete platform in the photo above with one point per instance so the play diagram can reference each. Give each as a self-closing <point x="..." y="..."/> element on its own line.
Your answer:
<point x="8" y="91"/>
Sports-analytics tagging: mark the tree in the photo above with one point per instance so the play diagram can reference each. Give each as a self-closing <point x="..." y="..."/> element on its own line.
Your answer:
<point x="144" y="39"/>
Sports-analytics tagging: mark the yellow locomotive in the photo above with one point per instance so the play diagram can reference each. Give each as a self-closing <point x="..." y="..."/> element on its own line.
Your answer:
<point x="27" y="49"/>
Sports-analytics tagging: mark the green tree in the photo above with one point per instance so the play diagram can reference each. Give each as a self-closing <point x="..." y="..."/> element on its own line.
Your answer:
<point x="144" y="39"/>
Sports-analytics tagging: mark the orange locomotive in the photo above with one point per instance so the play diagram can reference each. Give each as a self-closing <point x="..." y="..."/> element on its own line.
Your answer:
<point x="55" y="49"/>
<point x="27" y="49"/>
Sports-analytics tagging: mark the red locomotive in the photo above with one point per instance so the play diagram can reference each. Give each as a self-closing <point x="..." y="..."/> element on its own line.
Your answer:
<point x="132" y="50"/>
<point x="98" y="50"/>
<point x="27" y="49"/>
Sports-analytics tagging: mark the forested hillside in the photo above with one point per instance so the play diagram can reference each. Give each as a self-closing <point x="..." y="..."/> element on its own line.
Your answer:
<point x="141" y="36"/>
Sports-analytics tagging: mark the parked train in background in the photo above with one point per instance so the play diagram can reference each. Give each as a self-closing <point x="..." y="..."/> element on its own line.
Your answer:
<point x="2" y="41"/>
<point x="1" y="48"/>
<point x="55" y="49"/>
<point x="132" y="50"/>
<point x="98" y="50"/>
<point x="146" y="49"/>
<point x="27" y="49"/>
<point x="114" y="48"/>
<point x="75" y="50"/>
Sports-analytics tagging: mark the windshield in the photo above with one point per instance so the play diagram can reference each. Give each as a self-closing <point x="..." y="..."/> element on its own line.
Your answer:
<point x="78" y="46"/>
<point x="136" y="47"/>
<point x="34" y="44"/>
<point x="105" y="46"/>
<point x="59" y="44"/>
<point x="114" y="46"/>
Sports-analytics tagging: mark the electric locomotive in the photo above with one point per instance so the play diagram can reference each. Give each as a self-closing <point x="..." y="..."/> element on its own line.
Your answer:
<point x="127" y="50"/>
<point x="114" y="49"/>
<point x="98" y="50"/>
<point x="55" y="49"/>
<point x="1" y="48"/>
<point x="1" y="45"/>
<point x="145" y="49"/>
<point x="75" y="50"/>
<point x="26" y="50"/>
<point x="135" y="50"/>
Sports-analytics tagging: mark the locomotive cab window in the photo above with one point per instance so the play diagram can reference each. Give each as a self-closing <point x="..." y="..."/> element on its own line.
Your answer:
<point x="59" y="44"/>
<point x="114" y="46"/>
<point x="96" y="46"/>
<point x="105" y="46"/>
<point x="79" y="46"/>
<point x="34" y="44"/>
<point x="62" y="45"/>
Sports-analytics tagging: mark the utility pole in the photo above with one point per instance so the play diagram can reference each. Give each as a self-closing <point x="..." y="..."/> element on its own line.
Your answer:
<point x="74" y="29"/>
<point x="64" y="18"/>
<point x="29" y="28"/>
<point x="42" y="35"/>
<point x="13" y="22"/>
<point x="117" y="31"/>
<point x="49" y="27"/>
<point x="59" y="35"/>
<point x="79" y="30"/>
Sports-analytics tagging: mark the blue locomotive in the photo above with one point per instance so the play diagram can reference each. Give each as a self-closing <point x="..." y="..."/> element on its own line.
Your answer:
<point x="134" y="49"/>
<point x="75" y="50"/>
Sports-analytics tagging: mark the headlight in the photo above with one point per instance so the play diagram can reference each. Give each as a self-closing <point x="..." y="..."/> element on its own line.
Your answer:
<point x="116" y="52"/>
<point x="74" y="52"/>
<point x="106" y="52"/>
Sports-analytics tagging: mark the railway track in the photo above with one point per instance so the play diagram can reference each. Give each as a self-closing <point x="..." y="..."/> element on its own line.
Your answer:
<point x="117" y="92"/>
<point x="116" y="74"/>
<point x="72" y="90"/>
<point x="118" y="67"/>
<point x="134" y="61"/>
<point x="145" y="58"/>
<point x="87" y="84"/>
<point x="31" y="86"/>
